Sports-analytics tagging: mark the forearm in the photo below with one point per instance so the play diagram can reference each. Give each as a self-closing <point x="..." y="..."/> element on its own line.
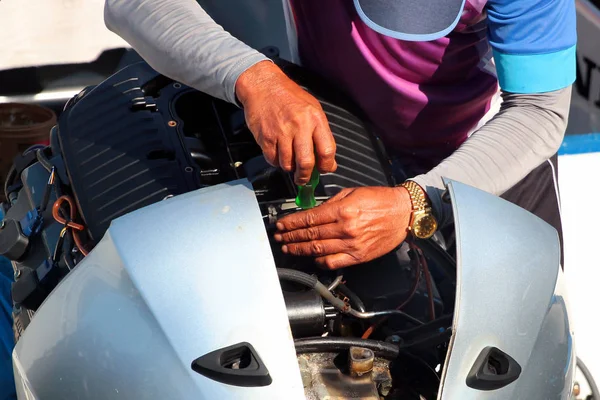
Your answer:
<point x="526" y="132"/>
<point x="180" y="40"/>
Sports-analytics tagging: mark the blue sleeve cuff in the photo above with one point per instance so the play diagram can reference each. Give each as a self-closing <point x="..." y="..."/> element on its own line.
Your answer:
<point x="535" y="73"/>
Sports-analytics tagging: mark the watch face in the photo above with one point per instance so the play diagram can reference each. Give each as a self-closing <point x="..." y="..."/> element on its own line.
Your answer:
<point x="424" y="226"/>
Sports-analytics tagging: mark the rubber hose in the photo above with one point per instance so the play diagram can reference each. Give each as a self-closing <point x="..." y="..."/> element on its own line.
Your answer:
<point x="10" y="176"/>
<point x="44" y="160"/>
<point x="312" y="282"/>
<point x="335" y="344"/>
<point x="300" y="277"/>
<point x="588" y="377"/>
<point x="354" y="299"/>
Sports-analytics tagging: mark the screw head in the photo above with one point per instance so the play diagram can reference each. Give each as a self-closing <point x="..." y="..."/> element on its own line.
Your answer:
<point x="172" y="123"/>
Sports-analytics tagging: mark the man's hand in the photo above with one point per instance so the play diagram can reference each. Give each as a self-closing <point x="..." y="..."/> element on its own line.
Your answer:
<point x="353" y="227"/>
<point x="287" y="122"/>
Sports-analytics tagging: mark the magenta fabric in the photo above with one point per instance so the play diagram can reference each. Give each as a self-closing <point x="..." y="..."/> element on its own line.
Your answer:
<point x="422" y="97"/>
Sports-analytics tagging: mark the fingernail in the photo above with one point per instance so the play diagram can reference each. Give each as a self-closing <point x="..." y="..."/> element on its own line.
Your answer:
<point x="284" y="248"/>
<point x="277" y="237"/>
<point x="279" y="226"/>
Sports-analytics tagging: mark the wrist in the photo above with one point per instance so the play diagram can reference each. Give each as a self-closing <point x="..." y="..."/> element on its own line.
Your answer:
<point x="422" y="223"/>
<point x="405" y="207"/>
<point x="256" y="78"/>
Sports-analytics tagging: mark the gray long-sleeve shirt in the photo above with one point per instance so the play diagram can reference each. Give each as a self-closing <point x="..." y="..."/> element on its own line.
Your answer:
<point x="180" y="40"/>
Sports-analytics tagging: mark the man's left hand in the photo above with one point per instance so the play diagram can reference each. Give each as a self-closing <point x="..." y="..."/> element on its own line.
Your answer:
<point x="353" y="227"/>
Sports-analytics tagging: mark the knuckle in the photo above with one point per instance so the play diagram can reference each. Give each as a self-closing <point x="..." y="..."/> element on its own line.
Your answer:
<point x="316" y="112"/>
<point x="328" y="151"/>
<point x="351" y="244"/>
<point x="310" y="219"/>
<point x="329" y="263"/>
<point x="305" y="163"/>
<point x="289" y="237"/>
<point x="267" y="141"/>
<point x="349" y="212"/>
<point x="312" y="233"/>
<point x="316" y="248"/>
<point x="350" y="229"/>
<point x="270" y="157"/>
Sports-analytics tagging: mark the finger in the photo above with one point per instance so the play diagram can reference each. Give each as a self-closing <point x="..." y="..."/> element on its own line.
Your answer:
<point x="316" y="248"/>
<point x="324" y="214"/>
<point x="337" y="261"/>
<point x="325" y="147"/>
<point x="284" y="154"/>
<point x="319" y="232"/>
<point x="304" y="154"/>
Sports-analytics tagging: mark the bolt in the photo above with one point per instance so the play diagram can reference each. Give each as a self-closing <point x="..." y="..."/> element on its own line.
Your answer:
<point x="172" y="123"/>
<point x="576" y="389"/>
<point x="360" y="361"/>
<point x="177" y="85"/>
<point x="237" y="164"/>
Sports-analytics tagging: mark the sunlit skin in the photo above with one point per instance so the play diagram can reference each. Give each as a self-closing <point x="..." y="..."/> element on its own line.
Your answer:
<point x="355" y="226"/>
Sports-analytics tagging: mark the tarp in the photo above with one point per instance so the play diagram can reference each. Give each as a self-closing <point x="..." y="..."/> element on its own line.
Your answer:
<point x="46" y="32"/>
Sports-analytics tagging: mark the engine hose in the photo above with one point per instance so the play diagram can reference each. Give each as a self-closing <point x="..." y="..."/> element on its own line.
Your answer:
<point x="313" y="283"/>
<point x="44" y="160"/>
<point x="335" y="344"/>
<point x="10" y="176"/>
<point x="354" y="299"/>
<point x="383" y="313"/>
<point x="302" y="278"/>
<point x="590" y="380"/>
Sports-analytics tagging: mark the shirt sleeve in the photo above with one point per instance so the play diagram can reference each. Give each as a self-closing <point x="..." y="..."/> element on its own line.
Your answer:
<point x="533" y="42"/>
<point x="180" y="40"/>
<point x="526" y="132"/>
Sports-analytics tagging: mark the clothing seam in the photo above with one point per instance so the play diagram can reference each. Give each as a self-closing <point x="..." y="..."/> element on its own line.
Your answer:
<point x="534" y="54"/>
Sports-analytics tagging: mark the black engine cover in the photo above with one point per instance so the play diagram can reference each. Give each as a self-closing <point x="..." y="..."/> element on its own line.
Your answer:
<point x="120" y="151"/>
<point x="139" y="137"/>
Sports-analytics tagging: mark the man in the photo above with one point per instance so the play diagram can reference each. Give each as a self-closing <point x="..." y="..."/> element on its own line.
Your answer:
<point x="423" y="73"/>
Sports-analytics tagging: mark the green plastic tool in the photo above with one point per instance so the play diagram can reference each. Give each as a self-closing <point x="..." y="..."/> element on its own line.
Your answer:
<point x="306" y="194"/>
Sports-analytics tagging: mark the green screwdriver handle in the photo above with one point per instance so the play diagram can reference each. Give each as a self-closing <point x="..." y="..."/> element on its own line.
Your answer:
<point x="306" y="194"/>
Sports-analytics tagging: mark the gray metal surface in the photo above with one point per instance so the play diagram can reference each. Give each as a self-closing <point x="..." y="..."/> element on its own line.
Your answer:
<point x="258" y="23"/>
<point x="509" y="295"/>
<point x="166" y="285"/>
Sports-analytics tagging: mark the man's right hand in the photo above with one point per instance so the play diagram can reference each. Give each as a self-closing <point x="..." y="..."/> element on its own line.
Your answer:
<point x="287" y="122"/>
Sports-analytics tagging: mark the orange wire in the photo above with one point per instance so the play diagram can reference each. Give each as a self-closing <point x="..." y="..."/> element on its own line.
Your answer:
<point x="71" y="224"/>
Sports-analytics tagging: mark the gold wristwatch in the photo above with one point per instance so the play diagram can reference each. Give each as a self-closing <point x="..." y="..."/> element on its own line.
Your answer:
<point x="422" y="223"/>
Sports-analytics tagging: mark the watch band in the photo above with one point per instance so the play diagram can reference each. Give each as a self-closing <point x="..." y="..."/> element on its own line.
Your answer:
<point x="417" y="196"/>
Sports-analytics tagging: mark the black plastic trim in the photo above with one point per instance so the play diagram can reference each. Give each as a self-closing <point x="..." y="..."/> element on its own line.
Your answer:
<point x="493" y="369"/>
<point x="218" y="366"/>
